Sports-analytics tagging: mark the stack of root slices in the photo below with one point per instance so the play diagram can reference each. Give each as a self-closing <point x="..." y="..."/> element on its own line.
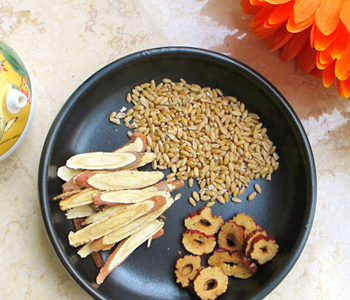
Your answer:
<point x="235" y="248"/>
<point x="112" y="203"/>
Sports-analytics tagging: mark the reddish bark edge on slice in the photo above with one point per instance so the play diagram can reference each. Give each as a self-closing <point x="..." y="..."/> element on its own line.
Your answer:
<point x="126" y="196"/>
<point x="119" y="180"/>
<point x="127" y="247"/>
<point x="97" y="256"/>
<point x="137" y="143"/>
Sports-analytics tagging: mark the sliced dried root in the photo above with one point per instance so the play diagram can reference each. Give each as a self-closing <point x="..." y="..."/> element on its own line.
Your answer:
<point x="112" y="202"/>
<point x="210" y="283"/>
<point x="125" y="248"/>
<point x="187" y="268"/>
<point x="128" y="229"/>
<point x="204" y="221"/>
<point x="126" y="196"/>
<point x="105" y="213"/>
<point x="166" y="186"/>
<point x="81" y="211"/>
<point x="99" y="229"/>
<point x="118" y="180"/>
<point x="66" y="173"/>
<point x="137" y="143"/>
<point x="83" y="197"/>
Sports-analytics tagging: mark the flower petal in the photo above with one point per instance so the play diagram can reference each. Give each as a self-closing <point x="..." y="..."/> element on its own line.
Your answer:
<point x="321" y="41"/>
<point x="317" y="73"/>
<point x="293" y="26"/>
<point x="278" y="39"/>
<point x="278" y="1"/>
<point x="249" y="9"/>
<point x="307" y="59"/>
<point x="323" y="59"/>
<point x="345" y="15"/>
<point x="342" y="65"/>
<point x="344" y="88"/>
<point x="279" y="15"/>
<point x="328" y="14"/>
<point x="328" y="75"/>
<point x="294" y="46"/>
<point x="304" y="9"/>
<point x="339" y="45"/>
<point x="258" y="2"/>
<point x="263" y="32"/>
<point x="259" y="19"/>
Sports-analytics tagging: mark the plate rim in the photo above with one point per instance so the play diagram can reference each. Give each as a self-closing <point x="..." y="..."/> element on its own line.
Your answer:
<point x="45" y="157"/>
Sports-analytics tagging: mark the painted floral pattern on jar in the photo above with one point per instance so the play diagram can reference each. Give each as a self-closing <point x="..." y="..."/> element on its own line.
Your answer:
<point x="15" y="96"/>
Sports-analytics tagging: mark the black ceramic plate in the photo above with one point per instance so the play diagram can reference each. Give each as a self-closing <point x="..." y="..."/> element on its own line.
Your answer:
<point x="285" y="208"/>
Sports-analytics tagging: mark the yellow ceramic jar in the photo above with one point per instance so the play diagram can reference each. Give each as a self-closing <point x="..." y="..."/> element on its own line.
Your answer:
<point x="17" y="100"/>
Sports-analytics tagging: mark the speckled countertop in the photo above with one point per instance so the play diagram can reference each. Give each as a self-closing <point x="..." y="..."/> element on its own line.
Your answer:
<point x="64" y="42"/>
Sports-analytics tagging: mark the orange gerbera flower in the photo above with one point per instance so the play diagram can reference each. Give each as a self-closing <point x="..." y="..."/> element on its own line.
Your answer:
<point x="314" y="32"/>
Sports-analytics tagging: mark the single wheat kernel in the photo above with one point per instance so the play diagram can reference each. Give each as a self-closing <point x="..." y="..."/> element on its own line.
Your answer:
<point x="257" y="188"/>
<point x="195" y="196"/>
<point x="177" y="196"/>
<point x="251" y="196"/>
<point x="236" y="200"/>
<point x="192" y="201"/>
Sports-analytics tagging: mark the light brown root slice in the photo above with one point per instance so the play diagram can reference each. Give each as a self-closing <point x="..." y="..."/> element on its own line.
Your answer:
<point x="146" y="158"/>
<point x="233" y="263"/>
<point x="82" y="211"/>
<point x="83" y="197"/>
<point x="210" y="283"/>
<point x="104" y="161"/>
<point x="197" y="242"/>
<point x="186" y="269"/>
<point x="126" y="196"/>
<point x="166" y="186"/>
<point x="231" y="236"/>
<point x="105" y="226"/>
<point x="123" y="180"/>
<point x="127" y="247"/>
<point x="138" y="143"/>
<point x="106" y="212"/>
<point x="158" y="234"/>
<point x="66" y="173"/>
<point x="65" y="194"/>
<point x="204" y="221"/>
<point x="70" y="186"/>
<point x="97" y="256"/>
<point x="135" y="225"/>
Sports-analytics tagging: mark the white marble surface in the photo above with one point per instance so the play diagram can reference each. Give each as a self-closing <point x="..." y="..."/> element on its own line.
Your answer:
<point x="64" y="42"/>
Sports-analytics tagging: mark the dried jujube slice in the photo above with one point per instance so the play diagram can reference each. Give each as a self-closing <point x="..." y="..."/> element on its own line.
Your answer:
<point x="210" y="283"/>
<point x="247" y="222"/>
<point x="204" y="221"/>
<point x="250" y="237"/>
<point x="187" y="268"/>
<point x="263" y="249"/>
<point x="231" y="236"/>
<point x="233" y="263"/>
<point x="197" y="242"/>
